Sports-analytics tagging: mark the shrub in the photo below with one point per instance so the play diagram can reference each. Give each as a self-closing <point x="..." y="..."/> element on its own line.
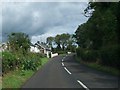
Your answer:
<point x="31" y="62"/>
<point x="12" y="61"/>
<point x="79" y="52"/>
<point x="109" y="56"/>
<point x="87" y="55"/>
<point x="9" y="61"/>
<point x="61" y="52"/>
<point x="90" y="55"/>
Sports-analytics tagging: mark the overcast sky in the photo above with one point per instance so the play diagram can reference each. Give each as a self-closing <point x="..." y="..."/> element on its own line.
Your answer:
<point x="42" y="19"/>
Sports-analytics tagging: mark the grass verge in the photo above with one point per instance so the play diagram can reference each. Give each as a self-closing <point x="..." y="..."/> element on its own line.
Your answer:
<point x="106" y="69"/>
<point x="44" y="61"/>
<point x="15" y="79"/>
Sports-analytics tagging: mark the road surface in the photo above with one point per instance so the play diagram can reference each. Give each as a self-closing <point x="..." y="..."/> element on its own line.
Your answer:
<point x="65" y="72"/>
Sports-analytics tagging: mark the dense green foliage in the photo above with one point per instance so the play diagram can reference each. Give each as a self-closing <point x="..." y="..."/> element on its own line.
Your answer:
<point x="12" y="61"/>
<point x="98" y="38"/>
<point x="19" y="42"/>
<point x="18" y="55"/>
<point x="50" y="41"/>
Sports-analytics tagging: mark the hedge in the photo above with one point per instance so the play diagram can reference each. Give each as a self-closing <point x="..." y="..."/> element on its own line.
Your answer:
<point x="108" y="56"/>
<point x="12" y="61"/>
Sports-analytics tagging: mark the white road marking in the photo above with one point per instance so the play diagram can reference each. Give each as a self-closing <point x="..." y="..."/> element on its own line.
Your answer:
<point x="82" y="85"/>
<point x="67" y="70"/>
<point x="71" y="73"/>
<point x="62" y="64"/>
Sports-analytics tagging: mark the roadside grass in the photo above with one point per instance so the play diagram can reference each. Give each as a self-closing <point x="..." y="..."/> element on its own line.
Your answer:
<point x="15" y="79"/>
<point x="44" y="61"/>
<point x="106" y="69"/>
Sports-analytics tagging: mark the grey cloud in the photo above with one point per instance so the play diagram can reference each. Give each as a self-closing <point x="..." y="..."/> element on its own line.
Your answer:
<point x="43" y="17"/>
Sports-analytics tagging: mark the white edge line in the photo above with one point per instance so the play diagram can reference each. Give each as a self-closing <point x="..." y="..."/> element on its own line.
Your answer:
<point x="82" y="85"/>
<point x="67" y="70"/>
<point x="62" y="64"/>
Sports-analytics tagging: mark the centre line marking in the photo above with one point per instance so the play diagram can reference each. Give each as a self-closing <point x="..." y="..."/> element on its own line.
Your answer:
<point x="83" y="85"/>
<point x="67" y="70"/>
<point x="62" y="64"/>
<point x="62" y="60"/>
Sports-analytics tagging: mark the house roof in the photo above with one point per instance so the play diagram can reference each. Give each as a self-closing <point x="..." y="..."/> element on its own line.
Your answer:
<point x="43" y="46"/>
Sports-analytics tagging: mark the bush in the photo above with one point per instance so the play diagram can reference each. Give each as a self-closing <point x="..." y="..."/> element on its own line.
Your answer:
<point x="31" y="62"/>
<point x="90" y="55"/>
<point x="8" y="61"/>
<point x="12" y="61"/>
<point x="79" y="52"/>
<point x="62" y="52"/>
<point x="87" y="55"/>
<point x="109" y="56"/>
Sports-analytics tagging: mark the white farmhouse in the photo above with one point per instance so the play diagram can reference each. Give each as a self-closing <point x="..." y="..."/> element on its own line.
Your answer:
<point x="41" y="48"/>
<point x="45" y="50"/>
<point x="34" y="49"/>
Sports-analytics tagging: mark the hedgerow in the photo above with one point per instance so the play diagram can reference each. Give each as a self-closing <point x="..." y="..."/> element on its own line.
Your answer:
<point x="12" y="61"/>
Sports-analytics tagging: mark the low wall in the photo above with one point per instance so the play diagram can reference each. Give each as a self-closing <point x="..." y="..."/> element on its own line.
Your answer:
<point x="53" y="55"/>
<point x="69" y="52"/>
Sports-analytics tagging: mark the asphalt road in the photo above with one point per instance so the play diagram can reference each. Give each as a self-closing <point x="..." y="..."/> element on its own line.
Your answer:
<point x="65" y="72"/>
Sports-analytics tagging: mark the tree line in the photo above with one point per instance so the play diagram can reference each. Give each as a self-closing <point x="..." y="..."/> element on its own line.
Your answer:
<point x="99" y="38"/>
<point x="62" y="43"/>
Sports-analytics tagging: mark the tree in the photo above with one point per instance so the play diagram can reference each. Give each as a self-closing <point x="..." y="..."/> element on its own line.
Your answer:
<point x="71" y="45"/>
<point x="50" y="41"/>
<point x="118" y="21"/>
<point x="62" y="41"/>
<point x="64" y="38"/>
<point x="81" y="35"/>
<point x="99" y="36"/>
<point x="100" y="29"/>
<point x="19" y="41"/>
<point x="57" y="41"/>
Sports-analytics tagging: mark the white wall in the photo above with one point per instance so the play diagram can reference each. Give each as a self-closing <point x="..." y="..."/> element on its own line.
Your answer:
<point x="69" y="52"/>
<point x="53" y="55"/>
<point x="34" y="49"/>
